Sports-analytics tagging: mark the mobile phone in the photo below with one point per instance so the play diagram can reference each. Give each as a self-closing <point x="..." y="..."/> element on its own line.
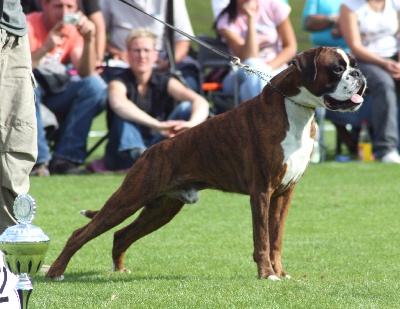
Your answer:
<point x="71" y="18"/>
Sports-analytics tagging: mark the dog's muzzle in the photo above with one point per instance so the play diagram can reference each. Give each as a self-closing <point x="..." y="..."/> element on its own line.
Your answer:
<point x="355" y="101"/>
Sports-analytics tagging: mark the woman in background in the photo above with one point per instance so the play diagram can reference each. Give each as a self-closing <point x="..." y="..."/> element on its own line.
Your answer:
<point x="261" y="35"/>
<point x="370" y="29"/>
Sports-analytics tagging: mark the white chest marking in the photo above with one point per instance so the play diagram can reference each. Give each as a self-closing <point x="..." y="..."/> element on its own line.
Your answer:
<point x="298" y="144"/>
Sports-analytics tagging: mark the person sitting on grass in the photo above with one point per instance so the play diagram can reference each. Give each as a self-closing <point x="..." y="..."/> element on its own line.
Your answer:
<point x="142" y="105"/>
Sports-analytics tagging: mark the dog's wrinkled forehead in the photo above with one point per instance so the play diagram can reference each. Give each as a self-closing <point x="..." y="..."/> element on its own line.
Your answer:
<point x="311" y="61"/>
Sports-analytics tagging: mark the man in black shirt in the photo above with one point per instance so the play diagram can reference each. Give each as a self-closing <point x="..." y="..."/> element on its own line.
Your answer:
<point x="142" y="101"/>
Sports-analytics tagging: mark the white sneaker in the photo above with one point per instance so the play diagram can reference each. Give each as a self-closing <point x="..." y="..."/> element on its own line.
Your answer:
<point x="391" y="157"/>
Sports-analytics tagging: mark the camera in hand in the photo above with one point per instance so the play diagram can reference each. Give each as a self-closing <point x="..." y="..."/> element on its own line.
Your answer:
<point x="71" y="18"/>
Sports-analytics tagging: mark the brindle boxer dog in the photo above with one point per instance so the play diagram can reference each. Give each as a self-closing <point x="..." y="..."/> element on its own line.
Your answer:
<point x="260" y="148"/>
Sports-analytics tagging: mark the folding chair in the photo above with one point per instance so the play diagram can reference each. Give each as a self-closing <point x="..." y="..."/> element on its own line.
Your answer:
<point x="212" y="72"/>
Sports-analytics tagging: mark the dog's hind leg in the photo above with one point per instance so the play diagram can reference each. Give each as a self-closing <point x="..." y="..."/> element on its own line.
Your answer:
<point x="277" y="215"/>
<point x="151" y="218"/>
<point x="106" y="219"/>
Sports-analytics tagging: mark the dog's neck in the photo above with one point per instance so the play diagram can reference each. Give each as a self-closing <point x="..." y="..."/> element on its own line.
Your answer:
<point x="281" y="93"/>
<point x="291" y="93"/>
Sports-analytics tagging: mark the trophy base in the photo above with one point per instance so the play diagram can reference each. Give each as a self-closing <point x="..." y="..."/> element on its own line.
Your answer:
<point x="24" y="297"/>
<point x="24" y="288"/>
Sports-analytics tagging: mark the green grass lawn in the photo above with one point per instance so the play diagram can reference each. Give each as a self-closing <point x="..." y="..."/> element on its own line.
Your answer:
<point x="341" y="240"/>
<point x="341" y="247"/>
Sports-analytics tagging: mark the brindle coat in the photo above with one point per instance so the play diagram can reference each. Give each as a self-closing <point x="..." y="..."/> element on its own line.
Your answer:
<point x="238" y="151"/>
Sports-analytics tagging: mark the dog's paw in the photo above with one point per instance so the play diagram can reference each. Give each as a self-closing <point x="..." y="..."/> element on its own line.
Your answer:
<point x="273" y="278"/>
<point x="287" y="276"/>
<point x="123" y="270"/>
<point x="55" y="278"/>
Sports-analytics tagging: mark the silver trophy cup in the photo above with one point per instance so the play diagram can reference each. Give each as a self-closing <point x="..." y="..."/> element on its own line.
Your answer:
<point x="24" y="246"/>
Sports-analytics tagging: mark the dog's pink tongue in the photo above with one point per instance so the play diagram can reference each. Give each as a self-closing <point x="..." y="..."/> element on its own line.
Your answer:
<point x="356" y="98"/>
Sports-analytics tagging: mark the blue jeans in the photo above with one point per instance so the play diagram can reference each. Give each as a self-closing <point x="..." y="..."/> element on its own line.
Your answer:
<point x="78" y="104"/>
<point x="125" y="135"/>
<point x="250" y="85"/>
<point x="43" y="147"/>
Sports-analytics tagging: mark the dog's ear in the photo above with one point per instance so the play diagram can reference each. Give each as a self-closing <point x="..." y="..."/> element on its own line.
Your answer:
<point x="306" y="63"/>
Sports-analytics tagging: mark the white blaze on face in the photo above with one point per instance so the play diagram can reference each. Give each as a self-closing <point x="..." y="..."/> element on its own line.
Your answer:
<point x="346" y="87"/>
<point x="298" y="144"/>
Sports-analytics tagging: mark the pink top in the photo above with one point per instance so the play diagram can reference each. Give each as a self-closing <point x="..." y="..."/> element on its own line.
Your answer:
<point x="271" y="13"/>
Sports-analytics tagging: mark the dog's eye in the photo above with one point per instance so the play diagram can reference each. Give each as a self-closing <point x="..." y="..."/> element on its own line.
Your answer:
<point x="338" y="69"/>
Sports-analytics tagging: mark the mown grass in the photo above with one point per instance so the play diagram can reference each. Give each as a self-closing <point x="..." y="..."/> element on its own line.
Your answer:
<point x="340" y="247"/>
<point x="340" y="242"/>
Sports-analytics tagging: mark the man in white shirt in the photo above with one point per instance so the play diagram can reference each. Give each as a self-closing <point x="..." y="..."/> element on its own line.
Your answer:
<point x="121" y="19"/>
<point x="218" y="6"/>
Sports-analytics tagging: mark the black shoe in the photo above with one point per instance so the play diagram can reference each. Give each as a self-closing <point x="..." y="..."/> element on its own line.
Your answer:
<point x="65" y="167"/>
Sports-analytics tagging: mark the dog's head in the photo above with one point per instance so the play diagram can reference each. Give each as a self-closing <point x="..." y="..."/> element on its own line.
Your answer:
<point x="331" y="76"/>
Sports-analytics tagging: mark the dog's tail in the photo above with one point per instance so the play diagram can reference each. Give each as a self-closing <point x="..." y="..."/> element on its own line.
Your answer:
<point x="88" y="213"/>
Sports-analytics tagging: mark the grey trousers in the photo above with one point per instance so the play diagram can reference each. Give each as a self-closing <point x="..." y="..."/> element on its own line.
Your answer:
<point x="18" y="125"/>
<point x="384" y="110"/>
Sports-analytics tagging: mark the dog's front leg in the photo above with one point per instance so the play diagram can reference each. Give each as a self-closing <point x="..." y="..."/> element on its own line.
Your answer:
<point x="260" y="203"/>
<point x="277" y="214"/>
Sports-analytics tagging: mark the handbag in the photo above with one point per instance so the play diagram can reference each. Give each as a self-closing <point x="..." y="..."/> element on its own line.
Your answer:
<point x="52" y="77"/>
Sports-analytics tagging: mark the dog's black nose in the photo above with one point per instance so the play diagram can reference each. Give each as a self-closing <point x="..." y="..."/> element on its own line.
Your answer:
<point x="355" y="73"/>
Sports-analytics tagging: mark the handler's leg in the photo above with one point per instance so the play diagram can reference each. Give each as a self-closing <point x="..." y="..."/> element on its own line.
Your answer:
<point x="18" y="136"/>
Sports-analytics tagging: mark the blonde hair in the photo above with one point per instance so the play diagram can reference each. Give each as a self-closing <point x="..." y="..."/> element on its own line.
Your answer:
<point x="141" y="33"/>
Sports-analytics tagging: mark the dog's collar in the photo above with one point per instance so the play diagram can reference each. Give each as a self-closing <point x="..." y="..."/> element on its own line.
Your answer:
<point x="265" y="77"/>
<point x="281" y="93"/>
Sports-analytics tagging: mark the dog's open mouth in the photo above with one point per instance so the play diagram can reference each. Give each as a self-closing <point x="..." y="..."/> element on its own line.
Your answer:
<point x="353" y="103"/>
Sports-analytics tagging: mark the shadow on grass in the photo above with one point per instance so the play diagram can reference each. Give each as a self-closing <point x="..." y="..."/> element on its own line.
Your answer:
<point x="101" y="278"/>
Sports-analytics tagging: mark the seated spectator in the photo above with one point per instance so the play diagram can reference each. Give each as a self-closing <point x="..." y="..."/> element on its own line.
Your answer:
<point x="142" y="102"/>
<point x="370" y="29"/>
<point x="261" y="35"/>
<point x="29" y="6"/>
<point x="218" y="5"/>
<point x="78" y="100"/>
<point x="88" y="7"/>
<point x="121" y="19"/>
<point x="321" y="19"/>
